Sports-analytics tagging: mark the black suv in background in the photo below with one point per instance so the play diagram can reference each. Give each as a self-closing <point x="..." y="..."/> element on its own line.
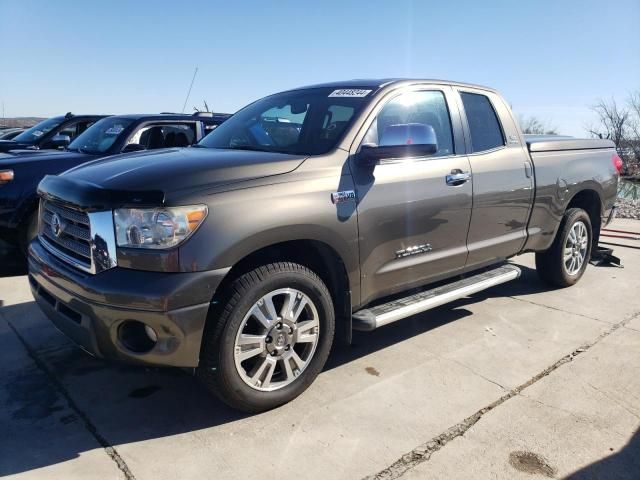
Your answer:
<point x="54" y="132"/>
<point x="21" y="173"/>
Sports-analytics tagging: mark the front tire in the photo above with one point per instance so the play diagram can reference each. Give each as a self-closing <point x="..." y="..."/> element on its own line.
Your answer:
<point x="566" y="261"/>
<point x="271" y="339"/>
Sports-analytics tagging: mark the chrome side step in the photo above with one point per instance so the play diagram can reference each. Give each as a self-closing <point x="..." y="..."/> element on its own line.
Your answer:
<point x="374" y="317"/>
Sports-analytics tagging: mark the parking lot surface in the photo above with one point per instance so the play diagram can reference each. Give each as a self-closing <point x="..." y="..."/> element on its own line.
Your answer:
<point x="515" y="382"/>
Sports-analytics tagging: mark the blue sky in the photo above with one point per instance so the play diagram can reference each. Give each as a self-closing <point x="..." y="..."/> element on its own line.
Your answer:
<point x="551" y="59"/>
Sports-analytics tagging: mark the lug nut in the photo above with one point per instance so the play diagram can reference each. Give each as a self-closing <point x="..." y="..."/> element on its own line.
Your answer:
<point x="279" y="325"/>
<point x="288" y="347"/>
<point x="290" y="330"/>
<point x="274" y="353"/>
<point x="268" y="340"/>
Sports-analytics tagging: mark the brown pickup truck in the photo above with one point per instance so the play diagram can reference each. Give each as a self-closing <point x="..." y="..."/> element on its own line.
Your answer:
<point x="306" y="215"/>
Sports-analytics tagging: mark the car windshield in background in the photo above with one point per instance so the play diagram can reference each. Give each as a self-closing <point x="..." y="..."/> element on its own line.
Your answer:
<point x="37" y="131"/>
<point x="303" y="122"/>
<point x="100" y="136"/>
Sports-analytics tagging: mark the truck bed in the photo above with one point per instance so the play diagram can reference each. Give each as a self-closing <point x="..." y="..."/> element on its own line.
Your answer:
<point x="552" y="143"/>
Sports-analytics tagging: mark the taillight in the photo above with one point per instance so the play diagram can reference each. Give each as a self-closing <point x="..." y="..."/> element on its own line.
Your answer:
<point x="617" y="162"/>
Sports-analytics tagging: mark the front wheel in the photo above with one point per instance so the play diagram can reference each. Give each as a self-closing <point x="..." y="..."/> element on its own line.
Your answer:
<point x="270" y="340"/>
<point x="565" y="262"/>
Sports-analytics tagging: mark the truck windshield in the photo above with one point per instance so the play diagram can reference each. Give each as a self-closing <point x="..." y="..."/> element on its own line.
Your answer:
<point x="100" y="136"/>
<point x="39" y="130"/>
<point x="303" y="122"/>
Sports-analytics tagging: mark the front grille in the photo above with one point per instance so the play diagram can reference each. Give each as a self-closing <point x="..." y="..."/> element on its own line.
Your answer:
<point x="66" y="232"/>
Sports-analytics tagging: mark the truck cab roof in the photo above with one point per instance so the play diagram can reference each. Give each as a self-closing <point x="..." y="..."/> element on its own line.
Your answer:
<point x="379" y="83"/>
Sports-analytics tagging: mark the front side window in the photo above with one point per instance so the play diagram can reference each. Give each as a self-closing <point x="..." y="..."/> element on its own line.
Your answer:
<point x="420" y="111"/>
<point x="35" y="133"/>
<point x="486" y="133"/>
<point x="303" y="122"/>
<point x="100" y="136"/>
<point x="74" y="129"/>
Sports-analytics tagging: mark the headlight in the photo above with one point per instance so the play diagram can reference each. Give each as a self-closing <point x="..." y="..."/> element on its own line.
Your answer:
<point x="157" y="228"/>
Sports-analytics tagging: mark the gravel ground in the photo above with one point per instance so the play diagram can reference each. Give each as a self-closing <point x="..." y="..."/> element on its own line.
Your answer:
<point x="628" y="209"/>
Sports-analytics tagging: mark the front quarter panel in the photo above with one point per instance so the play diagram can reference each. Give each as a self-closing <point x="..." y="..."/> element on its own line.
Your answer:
<point x="287" y="207"/>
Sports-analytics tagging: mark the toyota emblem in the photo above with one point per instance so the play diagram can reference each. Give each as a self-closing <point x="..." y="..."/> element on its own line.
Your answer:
<point x="56" y="225"/>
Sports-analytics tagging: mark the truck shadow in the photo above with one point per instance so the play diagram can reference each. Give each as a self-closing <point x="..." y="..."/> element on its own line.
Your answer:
<point x="54" y="395"/>
<point x="624" y="464"/>
<point x="12" y="262"/>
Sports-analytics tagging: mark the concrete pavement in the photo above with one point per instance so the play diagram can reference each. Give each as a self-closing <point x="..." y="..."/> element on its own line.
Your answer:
<point x="513" y="382"/>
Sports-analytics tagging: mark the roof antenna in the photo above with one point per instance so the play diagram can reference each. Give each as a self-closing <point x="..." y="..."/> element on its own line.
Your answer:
<point x="189" y="92"/>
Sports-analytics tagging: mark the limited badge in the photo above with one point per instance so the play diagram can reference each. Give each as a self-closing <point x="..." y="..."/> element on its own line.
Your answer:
<point x="344" y="196"/>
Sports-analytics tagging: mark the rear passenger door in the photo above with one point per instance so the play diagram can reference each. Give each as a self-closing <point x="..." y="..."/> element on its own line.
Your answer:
<point x="502" y="179"/>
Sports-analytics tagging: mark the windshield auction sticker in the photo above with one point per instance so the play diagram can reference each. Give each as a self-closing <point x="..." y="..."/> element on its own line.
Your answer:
<point x="115" y="130"/>
<point x="350" y="92"/>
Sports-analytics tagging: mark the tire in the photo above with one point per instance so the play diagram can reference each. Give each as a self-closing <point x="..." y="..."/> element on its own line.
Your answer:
<point x="29" y="232"/>
<point x="552" y="265"/>
<point x="248" y="384"/>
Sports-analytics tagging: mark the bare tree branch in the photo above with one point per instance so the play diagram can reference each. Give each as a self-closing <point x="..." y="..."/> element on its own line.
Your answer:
<point x="532" y="125"/>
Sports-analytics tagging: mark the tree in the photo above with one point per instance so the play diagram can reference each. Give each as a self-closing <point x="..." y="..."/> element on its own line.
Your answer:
<point x="620" y="124"/>
<point x="532" y="125"/>
<point x="614" y="121"/>
<point x="634" y="125"/>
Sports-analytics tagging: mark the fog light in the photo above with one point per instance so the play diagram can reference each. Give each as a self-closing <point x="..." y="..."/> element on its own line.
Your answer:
<point x="151" y="333"/>
<point x="137" y="336"/>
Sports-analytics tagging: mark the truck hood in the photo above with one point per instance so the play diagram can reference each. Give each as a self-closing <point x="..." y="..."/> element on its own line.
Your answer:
<point x="6" y="145"/>
<point x="21" y="157"/>
<point x="181" y="169"/>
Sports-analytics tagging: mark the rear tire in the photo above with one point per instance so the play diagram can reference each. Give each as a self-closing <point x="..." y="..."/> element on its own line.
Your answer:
<point x="270" y="340"/>
<point x="566" y="261"/>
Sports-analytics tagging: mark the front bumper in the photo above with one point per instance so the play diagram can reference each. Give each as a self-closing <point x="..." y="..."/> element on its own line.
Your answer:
<point x="91" y="309"/>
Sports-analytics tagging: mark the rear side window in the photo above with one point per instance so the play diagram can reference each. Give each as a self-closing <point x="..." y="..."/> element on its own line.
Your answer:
<point x="486" y="133"/>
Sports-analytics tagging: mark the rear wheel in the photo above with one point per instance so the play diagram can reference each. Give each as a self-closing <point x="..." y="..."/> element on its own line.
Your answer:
<point x="271" y="339"/>
<point x="565" y="262"/>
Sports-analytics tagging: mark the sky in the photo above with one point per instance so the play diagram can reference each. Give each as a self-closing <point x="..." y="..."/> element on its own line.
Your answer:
<point x="550" y="59"/>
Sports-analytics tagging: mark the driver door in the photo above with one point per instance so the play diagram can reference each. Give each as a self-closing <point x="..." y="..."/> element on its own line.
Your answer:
<point x="413" y="220"/>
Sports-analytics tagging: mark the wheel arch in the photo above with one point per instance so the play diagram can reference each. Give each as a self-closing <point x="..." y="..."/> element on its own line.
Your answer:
<point x="590" y="201"/>
<point x="316" y="255"/>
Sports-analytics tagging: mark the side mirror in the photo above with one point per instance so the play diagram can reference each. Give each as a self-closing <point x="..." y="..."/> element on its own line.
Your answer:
<point x="133" y="147"/>
<point x="400" y="141"/>
<point x="58" y="141"/>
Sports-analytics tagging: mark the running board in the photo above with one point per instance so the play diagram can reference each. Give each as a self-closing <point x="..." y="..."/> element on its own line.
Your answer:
<point x="374" y="317"/>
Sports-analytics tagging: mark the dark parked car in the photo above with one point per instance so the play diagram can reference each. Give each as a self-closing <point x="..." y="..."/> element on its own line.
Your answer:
<point x="55" y="132"/>
<point x="116" y="134"/>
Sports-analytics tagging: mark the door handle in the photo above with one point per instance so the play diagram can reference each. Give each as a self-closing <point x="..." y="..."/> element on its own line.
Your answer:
<point x="458" y="177"/>
<point x="528" y="170"/>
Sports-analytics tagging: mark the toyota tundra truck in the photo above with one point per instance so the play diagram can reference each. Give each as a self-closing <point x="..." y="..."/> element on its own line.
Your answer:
<point x="307" y="215"/>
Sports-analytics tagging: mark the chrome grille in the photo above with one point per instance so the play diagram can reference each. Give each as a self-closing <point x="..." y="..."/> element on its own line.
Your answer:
<point x="66" y="233"/>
